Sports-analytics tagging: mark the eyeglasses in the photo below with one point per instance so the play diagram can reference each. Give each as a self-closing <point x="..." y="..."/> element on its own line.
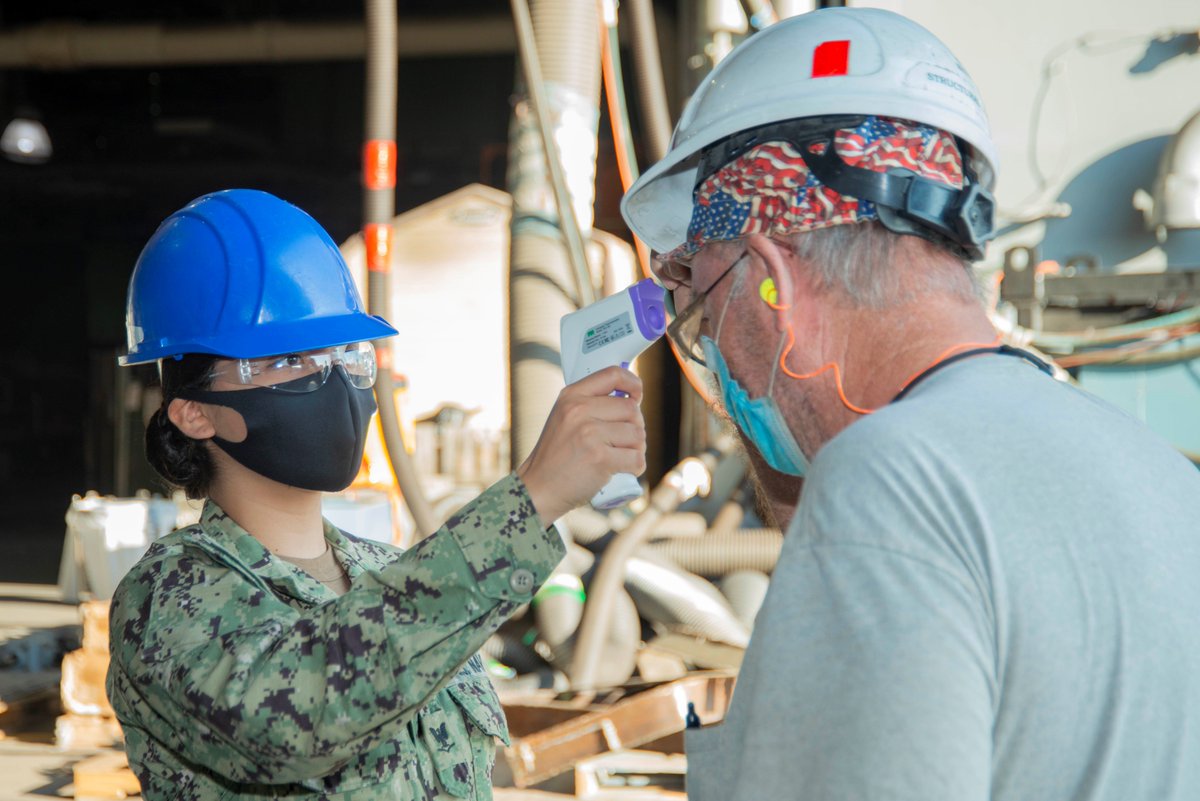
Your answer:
<point x="684" y="330"/>
<point x="301" y="372"/>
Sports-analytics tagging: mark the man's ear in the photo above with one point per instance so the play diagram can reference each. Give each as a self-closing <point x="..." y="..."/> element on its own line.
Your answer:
<point x="189" y="417"/>
<point x="779" y="289"/>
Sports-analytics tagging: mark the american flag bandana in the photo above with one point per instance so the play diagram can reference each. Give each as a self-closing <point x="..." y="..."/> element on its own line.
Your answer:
<point x="769" y="189"/>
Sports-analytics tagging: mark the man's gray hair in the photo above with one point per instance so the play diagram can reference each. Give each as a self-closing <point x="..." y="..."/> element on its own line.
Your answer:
<point x="876" y="268"/>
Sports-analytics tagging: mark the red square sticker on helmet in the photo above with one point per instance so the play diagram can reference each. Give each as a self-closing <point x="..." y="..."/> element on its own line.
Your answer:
<point x="831" y="58"/>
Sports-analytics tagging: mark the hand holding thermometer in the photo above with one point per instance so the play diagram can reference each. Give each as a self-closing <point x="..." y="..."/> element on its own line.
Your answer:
<point x="611" y="331"/>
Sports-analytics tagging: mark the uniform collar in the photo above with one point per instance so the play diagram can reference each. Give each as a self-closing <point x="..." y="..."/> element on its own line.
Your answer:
<point x="244" y="553"/>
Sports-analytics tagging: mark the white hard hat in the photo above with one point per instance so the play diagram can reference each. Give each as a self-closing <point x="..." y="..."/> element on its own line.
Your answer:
<point x="837" y="61"/>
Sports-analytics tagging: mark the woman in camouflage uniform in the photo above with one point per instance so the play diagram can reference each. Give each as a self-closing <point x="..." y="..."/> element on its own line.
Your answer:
<point x="263" y="653"/>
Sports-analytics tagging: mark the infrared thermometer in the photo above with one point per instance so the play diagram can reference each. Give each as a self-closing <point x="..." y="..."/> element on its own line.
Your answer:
<point x="613" y="331"/>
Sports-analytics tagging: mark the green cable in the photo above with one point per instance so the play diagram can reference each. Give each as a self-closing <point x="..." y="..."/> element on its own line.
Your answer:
<point x="1116" y="333"/>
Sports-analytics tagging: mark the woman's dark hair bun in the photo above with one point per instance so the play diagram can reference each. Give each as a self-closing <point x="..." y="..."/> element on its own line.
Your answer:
<point x="180" y="460"/>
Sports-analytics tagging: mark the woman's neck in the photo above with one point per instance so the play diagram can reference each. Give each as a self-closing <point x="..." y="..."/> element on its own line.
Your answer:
<point x="286" y="520"/>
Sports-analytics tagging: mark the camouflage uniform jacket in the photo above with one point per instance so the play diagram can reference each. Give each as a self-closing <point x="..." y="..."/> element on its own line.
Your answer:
<point x="236" y="675"/>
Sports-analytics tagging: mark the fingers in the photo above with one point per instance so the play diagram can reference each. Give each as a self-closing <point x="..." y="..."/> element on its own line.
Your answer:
<point x="614" y="410"/>
<point x="608" y="381"/>
<point x="614" y="448"/>
<point x="588" y="437"/>
<point x="624" y="435"/>
<point x="630" y="460"/>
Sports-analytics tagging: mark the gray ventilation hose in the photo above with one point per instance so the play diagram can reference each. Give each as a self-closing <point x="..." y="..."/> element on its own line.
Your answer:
<point x="541" y="279"/>
<point x="721" y="554"/>
<point x="379" y="206"/>
<point x="668" y="594"/>
<point x="647" y="65"/>
<point x="745" y="590"/>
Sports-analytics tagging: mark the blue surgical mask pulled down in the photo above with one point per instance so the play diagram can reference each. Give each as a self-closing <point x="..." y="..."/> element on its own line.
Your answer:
<point x="758" y="418"/>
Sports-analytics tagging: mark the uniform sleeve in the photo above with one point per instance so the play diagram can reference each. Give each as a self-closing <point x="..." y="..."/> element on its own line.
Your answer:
<point x="871" y="671"/>
<point x="229" y="678"/>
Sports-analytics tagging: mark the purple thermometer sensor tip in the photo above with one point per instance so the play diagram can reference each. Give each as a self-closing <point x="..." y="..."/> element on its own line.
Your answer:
<point x="649" y="308"/>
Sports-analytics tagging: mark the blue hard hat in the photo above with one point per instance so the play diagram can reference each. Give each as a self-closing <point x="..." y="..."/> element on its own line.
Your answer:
<point x="241" y="273"/>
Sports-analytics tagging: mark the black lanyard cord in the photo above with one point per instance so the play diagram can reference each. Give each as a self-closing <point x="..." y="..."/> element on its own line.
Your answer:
<point x="1003" y="350"/>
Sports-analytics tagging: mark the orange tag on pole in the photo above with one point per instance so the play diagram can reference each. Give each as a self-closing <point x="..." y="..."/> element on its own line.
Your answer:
<point x="378" y="240"/>
<point x="379" y="164"/>
<point x="383" y="357"/>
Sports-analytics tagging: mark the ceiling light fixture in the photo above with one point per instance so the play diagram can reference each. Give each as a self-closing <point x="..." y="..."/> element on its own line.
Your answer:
<point x="25" y="140"/>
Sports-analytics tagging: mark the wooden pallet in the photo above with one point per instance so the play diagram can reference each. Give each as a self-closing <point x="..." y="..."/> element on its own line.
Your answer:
<point x="105" y="777"/>
<point x="639" y="720"/>
<point x="631" y="776"/>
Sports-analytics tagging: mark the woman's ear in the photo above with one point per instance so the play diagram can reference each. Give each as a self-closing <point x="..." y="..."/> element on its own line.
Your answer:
<point x="778" y="288"/>
<point x="190" y="418"/>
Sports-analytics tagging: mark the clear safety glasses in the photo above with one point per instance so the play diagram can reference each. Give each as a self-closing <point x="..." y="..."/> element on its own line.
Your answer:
<point x="684" y="330"/>
<point x="301" y="372"/>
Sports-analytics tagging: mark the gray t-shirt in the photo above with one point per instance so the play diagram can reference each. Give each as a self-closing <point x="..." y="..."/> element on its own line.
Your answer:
<point x="991" y="589"/>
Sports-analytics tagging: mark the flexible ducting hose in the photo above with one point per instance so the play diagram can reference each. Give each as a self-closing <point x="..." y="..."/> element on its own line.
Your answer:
<point x="721" y="554"/>
<point x="587" y="526"/>
<point x="558" y="608"/>
<point x="647" y="65"/>
<point x="668" y="594"/>
<point x="745" y="590"/>
<point x="558" y="621"/>
<point x="728" y="518"/>
<point x="678" y="485"/>
<point x="379" y="206"/>
<point x="558" y="25"/>
<point x="542" y="286"/>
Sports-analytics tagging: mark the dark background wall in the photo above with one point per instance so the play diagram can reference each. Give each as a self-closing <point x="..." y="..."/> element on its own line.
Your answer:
<point x="133" y="145"/>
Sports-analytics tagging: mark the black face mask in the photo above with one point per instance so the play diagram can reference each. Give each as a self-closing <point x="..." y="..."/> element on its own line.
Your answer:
<point x="311" y="440"/>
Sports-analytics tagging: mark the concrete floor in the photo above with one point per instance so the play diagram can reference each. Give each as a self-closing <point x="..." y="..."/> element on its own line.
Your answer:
<point x="32" y="770"/>
<point x="36" y="627"/>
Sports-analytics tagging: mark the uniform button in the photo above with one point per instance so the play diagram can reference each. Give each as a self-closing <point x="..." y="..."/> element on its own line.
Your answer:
<point x="521" y="581"/>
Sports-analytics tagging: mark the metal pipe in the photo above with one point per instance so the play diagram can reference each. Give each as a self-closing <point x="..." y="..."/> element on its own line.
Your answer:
<point x="64" y="45"/>
<point x="379" y="206"/>
<point x="647" y="65"/>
